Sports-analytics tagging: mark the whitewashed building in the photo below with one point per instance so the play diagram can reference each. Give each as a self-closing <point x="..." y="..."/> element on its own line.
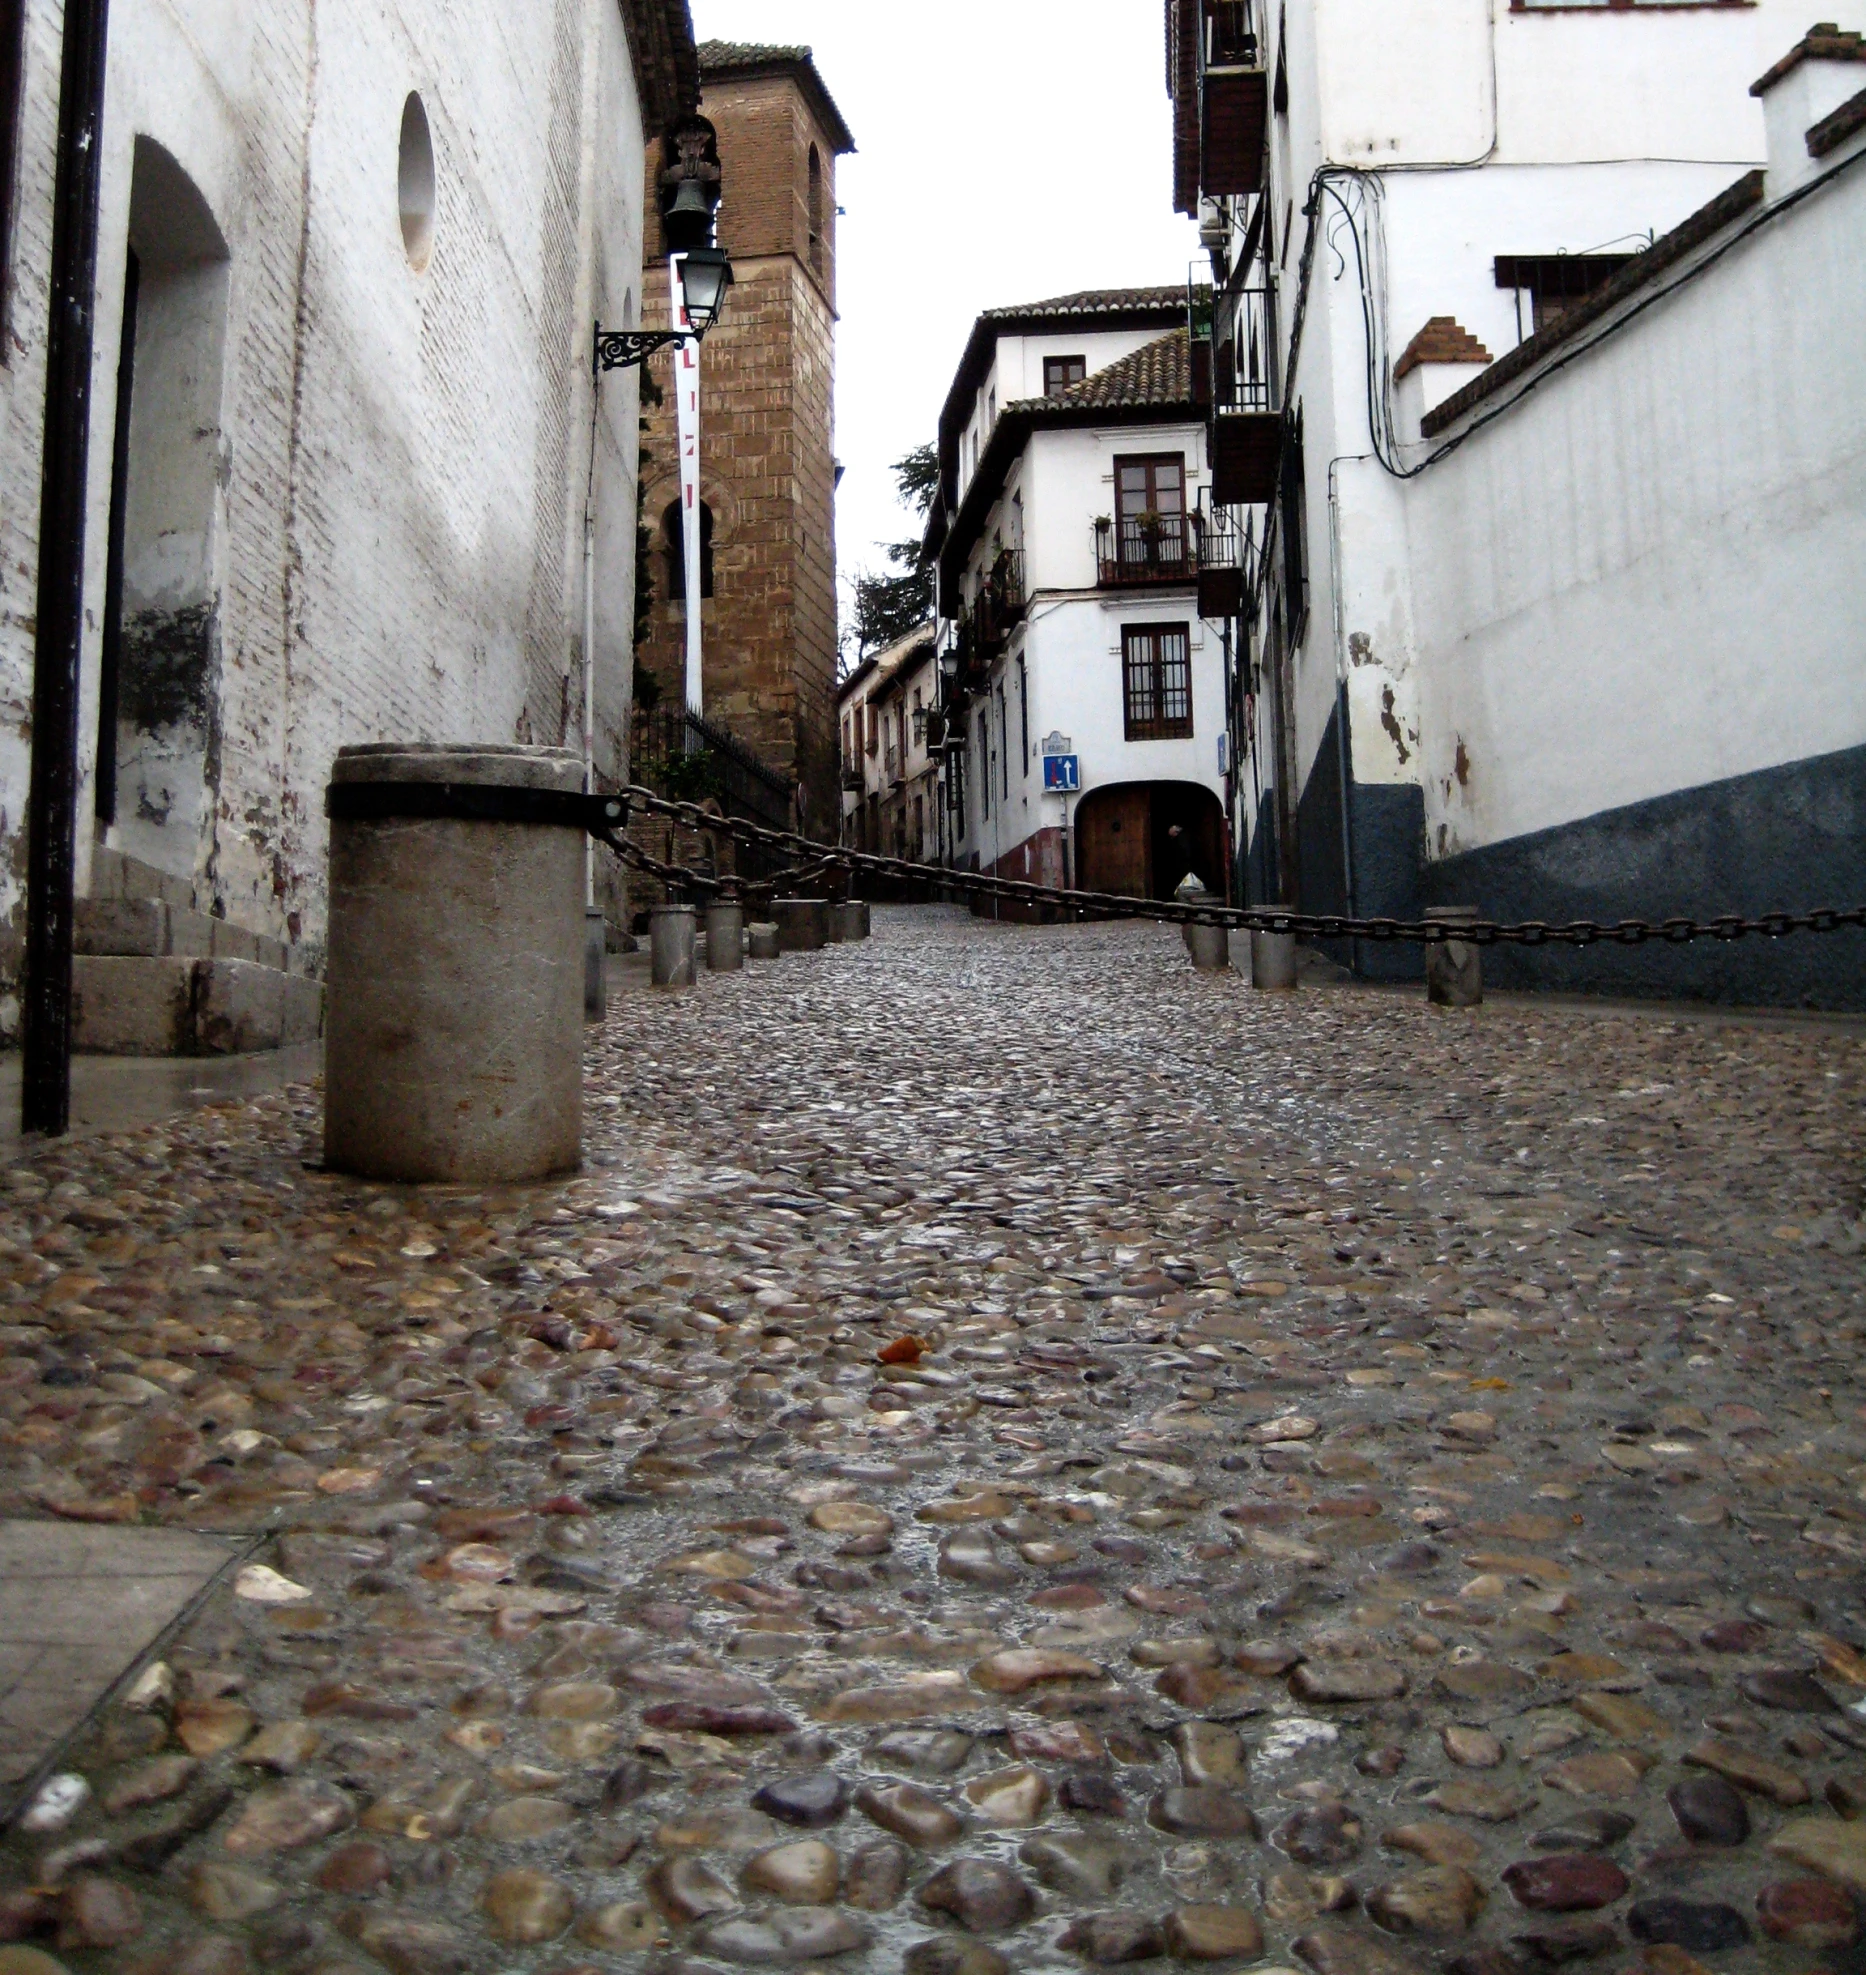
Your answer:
<point x="887" y="709"/>
<point x="1539" y="393"/>
<point x="1071" y="534"/>
<point x="342" y="436"/>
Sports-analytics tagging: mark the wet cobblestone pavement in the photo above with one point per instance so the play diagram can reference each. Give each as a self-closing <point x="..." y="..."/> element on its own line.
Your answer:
<point x="1014" y="1455"/>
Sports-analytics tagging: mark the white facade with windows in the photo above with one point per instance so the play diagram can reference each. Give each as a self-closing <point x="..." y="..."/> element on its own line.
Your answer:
<point x="1399" y="194"/>
<point x="1070" y="526"/>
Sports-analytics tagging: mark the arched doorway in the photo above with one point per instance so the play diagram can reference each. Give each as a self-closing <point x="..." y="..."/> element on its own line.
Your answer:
<point x="159" y="674"/>
<point x="1142" y="838"/>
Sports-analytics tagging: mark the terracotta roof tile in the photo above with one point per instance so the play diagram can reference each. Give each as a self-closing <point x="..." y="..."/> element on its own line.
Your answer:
<point x="1092" y="302"/>
<point x="1158" y="374"/>
<point x="1443" y="340"/>
<point x="718" y="56"/>
<point x="1822" y="43"/>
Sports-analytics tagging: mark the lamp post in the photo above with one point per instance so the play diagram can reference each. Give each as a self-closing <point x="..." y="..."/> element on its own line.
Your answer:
<point x="699" y="274"/>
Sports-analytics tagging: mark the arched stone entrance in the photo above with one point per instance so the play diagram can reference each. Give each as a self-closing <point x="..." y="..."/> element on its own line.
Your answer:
<point x="1142" y="838"/>
<point x="158" y="704"/>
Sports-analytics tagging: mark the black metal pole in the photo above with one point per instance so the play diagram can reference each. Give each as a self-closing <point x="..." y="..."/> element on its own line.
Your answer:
<point x="51" y="814"/>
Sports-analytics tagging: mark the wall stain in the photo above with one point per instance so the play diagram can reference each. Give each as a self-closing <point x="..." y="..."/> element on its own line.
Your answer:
<point x="1389" y="719"/>
<point x="168" y="668"/>
<point x="1461" y="765"/>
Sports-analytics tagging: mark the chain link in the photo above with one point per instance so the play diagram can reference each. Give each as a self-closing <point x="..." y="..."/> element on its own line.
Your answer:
<point x="821" y="858"/>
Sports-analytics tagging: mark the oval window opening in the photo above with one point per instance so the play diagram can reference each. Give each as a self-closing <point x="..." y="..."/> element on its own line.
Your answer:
<point x="416" y="184"/>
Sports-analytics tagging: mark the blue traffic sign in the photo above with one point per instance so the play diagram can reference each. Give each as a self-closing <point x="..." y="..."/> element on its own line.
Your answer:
<point x="1062" y="773"/>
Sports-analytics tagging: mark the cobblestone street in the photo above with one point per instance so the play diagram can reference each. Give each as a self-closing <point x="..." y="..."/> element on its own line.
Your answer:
<point x="1012" y="1455"/>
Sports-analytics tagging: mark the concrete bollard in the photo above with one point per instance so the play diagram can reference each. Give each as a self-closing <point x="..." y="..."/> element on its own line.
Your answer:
<point x="848" y="921"/>
<point x="833" y="921"/>
<point x="1454" y="970"/>
<point x="1210" y="947"/>
<point x="454" y="1038"/>
<point x="672" y="931"/>
<point x="864" y="918"/>
<point x="595" y="965"/>
<point x="725" y="938"/>
<point x="761" y="941"/>
<point x="802" y="923"/>
<point x="1273" y="961"/>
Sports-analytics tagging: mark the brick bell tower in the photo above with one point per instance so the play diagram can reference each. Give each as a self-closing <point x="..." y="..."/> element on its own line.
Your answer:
<point x="767" y="438"/>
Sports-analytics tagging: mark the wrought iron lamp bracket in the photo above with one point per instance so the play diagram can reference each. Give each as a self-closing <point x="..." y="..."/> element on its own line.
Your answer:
<point x="623" y="349"/>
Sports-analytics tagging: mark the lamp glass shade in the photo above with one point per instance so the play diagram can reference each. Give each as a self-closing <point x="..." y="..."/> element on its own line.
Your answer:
<point x="705" y="275"/>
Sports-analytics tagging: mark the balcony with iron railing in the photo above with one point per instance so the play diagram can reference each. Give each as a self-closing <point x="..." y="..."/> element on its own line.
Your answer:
<point x="1000" y="602"/>
<point x="1246" y="420"/>
<point x="1226" y="542"/>
<point x="1234" y="98"/>
<point x="1142" y="551"/>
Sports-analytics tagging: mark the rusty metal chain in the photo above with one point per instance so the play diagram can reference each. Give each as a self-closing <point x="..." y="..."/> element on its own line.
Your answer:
<point x="1263" y="919"/>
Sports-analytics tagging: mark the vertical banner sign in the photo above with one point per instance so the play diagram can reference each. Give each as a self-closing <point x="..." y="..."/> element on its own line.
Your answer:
<point x="687" y="421"/>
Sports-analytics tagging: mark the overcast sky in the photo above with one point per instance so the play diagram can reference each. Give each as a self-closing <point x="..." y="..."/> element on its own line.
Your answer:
<point x="1007" y="150"/>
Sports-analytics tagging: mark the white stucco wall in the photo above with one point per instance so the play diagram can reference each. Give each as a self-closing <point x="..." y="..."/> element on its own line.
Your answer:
<point x="1495" y="132"/>
<point x="403" y="454"/>
<point x="1651" y="573"/>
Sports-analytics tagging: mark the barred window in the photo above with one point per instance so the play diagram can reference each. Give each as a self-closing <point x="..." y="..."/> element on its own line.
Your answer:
<point x="1157" y="673"/>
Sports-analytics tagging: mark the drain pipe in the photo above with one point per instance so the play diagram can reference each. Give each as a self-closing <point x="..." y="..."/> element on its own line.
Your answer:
<point x="52" y="801"/>
<point x="1342" y="763"/>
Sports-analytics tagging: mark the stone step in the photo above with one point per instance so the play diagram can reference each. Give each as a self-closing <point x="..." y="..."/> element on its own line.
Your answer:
<point x="178" y="1005"/>
<point x="116" y="874"/>
<point x="146" y="929"/>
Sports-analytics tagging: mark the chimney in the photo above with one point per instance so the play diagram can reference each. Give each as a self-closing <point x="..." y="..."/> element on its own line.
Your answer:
<point x="1823" y="70"/>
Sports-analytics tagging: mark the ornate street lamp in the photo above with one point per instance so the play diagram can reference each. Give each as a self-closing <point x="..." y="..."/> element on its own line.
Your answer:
<point x="705" y="275"/>
<point x="689" y="197"/>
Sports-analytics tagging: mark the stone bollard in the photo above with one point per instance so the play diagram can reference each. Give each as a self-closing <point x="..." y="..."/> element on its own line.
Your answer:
<point x="864" y="918"/>
<point x="1454" y="970"/>
<point x="833" y="921"/>
<point x="1273" y="961"/>
<point x="761" y="941"/>
<point x="725" y="938"/>
<point x="453" y="1046"/>
<point x="672" y="930"/>
<point x="1210" y="947"/>
<point x="595" y="964"/>
<point x="848" y="921"/>
<point x="802" y="923"/>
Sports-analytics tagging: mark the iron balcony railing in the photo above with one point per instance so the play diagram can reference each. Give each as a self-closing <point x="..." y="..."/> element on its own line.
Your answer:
<point x="1233" y="35"/>
<point x="1243" y="358"/>
<point x="1000" y="602"/>
<point x="1140" y="549"/>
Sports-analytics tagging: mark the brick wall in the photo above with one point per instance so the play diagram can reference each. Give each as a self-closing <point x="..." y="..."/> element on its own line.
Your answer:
<point x="767" y="386"/>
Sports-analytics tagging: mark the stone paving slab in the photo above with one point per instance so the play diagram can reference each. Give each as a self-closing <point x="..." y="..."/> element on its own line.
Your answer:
<point x="78" y="1607"/>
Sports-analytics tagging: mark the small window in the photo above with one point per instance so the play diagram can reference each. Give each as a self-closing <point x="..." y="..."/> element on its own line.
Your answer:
<point x="415" y="185"/>
<point x="1061" y="372"/>
<point x="12" y="67"/>
<point x="676" y="551"/>
<point x="871" y="741"/>
<point x="1157" y="681"/>
<point x="984" y="762"/>
<point x="1549" y="285"/>
<point x="816" y="209"/>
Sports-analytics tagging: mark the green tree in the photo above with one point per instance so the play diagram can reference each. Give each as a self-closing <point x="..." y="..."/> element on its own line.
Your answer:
<point x="891" y="604"/>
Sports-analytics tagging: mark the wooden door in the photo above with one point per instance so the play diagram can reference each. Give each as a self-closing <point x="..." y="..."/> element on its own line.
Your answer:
<point x="1114" y="849"/>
